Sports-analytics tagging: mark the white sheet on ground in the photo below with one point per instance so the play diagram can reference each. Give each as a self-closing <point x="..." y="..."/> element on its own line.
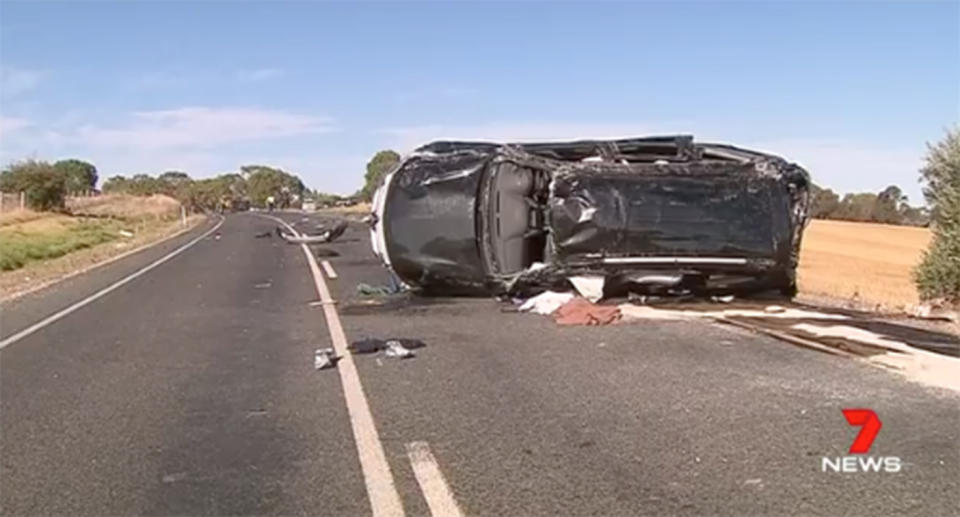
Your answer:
<point x="546" y="303"/>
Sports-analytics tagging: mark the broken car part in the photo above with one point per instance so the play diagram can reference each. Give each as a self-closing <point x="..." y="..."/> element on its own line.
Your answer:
<point x="659" y="215"/>
<point x="322" y="238"/>
<point x="323" y="358"/>
<point x="372" y="346"/>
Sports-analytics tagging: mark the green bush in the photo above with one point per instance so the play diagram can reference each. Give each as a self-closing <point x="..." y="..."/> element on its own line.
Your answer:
<point x="938" y="275"/>
<point x="44" y="185"/>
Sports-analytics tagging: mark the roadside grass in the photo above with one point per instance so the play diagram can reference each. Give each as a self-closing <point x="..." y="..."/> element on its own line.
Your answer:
<point x="52" y="237"/>
<point x="867" y="264"/>
<point x="40" y="247"/>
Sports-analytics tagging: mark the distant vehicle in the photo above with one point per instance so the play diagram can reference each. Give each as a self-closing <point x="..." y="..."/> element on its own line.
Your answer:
<point x="659" y="215"/>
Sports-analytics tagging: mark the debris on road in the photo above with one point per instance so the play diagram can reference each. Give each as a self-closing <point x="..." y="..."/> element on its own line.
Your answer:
<point x="395" y="350"/>
<point x="643" y="312"/>
<point x="262" y="285"/>
<point x="263" y="235"/>
<point x="377" y="290"/>
<point x="546" y="302"/>
<point x="322" y="238"/>
<point x="580" y="311"/>
<point x="323" y="252"/>
<point x="393" y="347"/>
<point x="367" y="346"/>
<point x="323" y="358"/>
<point x="590" y="287"/>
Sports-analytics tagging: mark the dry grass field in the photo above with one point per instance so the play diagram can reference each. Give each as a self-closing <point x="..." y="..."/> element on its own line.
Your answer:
<point x="867" y="263"/>
<point x="39" y="247"/>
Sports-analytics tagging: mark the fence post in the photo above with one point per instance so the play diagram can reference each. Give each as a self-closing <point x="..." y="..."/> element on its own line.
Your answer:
<point x="23" y="200"/>
<point x="1" y="201"/>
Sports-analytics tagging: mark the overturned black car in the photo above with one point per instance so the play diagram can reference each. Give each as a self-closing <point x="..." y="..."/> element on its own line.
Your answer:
<point x="660" y="215"/>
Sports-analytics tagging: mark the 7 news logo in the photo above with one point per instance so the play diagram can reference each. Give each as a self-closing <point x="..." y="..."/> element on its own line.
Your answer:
<point x="870" y="426"/>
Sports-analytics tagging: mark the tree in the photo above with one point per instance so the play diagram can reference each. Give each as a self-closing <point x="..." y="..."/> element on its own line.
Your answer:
<point x="263" y="182"/>
<point x="824" y="202"/>
<point x="938" y="275"/>
<point x="43" y="184"/>
<point x="889" y="205"/>
<point x="116" y="184"/>
<point x="80" y="175"/>
<point x="856" y="207"/>
<point x="377" y="168"/>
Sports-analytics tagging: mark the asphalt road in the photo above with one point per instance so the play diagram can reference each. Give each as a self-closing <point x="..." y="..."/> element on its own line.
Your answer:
<point x="191" y="390"/>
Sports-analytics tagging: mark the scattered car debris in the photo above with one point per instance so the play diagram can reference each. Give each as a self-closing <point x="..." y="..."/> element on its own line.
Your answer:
<point x="546" y="303"/>
<point x="324" y="358"/>
<point x="322" y="238"/>
<point x="590" y="287"/>
<point x="722" y="299"/>
<point x="395" y="350"/>
<point x="377" y="290"/>
<point x="580" y="311"/>
<point x="372" y="345"/>
<point x="263" y="235"/>
<point x="491" y="218"/>
<point x="262" y="285"/>
<point x="638" y="312"/>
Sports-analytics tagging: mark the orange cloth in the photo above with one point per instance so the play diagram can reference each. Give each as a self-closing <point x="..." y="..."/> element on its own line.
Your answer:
<point x="579" y="311"/>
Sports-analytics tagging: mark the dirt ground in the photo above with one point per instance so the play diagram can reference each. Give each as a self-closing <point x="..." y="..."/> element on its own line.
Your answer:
<point x="866" y="263"/>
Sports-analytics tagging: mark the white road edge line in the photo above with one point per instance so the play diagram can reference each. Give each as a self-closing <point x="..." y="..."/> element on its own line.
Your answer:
<point x="381" y="490"/>
<point x="435" y="488"/>
<point x="328" y="268"/>
<point x="103" y="292"/>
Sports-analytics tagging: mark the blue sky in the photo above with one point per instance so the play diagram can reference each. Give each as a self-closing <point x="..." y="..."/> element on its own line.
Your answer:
<point x="853" y="91"/>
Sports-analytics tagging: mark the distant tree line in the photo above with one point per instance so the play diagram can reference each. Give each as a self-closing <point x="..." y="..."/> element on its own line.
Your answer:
<point x="252" y="186"/>
<point x="47" y="185"/>
<point x="889" y="206"/>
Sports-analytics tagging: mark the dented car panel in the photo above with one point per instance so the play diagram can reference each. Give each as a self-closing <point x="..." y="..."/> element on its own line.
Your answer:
<point x="481" y="217"/>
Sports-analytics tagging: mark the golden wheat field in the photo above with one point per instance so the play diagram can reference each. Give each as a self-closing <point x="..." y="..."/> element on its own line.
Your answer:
<point x="866" y="262"/>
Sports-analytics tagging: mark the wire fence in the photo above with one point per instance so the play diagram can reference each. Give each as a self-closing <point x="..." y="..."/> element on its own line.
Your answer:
<point x="14" y="201"/>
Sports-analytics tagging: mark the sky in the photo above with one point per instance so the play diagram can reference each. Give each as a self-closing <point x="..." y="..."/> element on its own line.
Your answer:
<point x="851" y="91"/>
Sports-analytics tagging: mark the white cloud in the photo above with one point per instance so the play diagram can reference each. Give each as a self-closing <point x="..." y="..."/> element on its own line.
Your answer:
<point x="9" y="125"/>
<point x="259" y="74"/>
<point x="200" y="127"/>
<point x="14" y="81"/>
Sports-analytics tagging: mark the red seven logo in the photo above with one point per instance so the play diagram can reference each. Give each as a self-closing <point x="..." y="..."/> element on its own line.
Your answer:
<point x="870" y="426"/>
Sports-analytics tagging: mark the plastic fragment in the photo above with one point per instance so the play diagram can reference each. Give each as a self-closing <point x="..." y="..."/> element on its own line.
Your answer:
<point x="323" y="358"/>
<point x="395" y="350"/>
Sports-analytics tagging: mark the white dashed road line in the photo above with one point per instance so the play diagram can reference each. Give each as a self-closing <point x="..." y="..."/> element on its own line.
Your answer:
<point x="435" y="489"/>
<point x="328" y="268"/>
<point x="103" y="292"/>
<point x="381" y="490"/>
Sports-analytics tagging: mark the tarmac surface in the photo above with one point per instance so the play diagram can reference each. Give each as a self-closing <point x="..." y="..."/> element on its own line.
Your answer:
<point x="191" y="390"/>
